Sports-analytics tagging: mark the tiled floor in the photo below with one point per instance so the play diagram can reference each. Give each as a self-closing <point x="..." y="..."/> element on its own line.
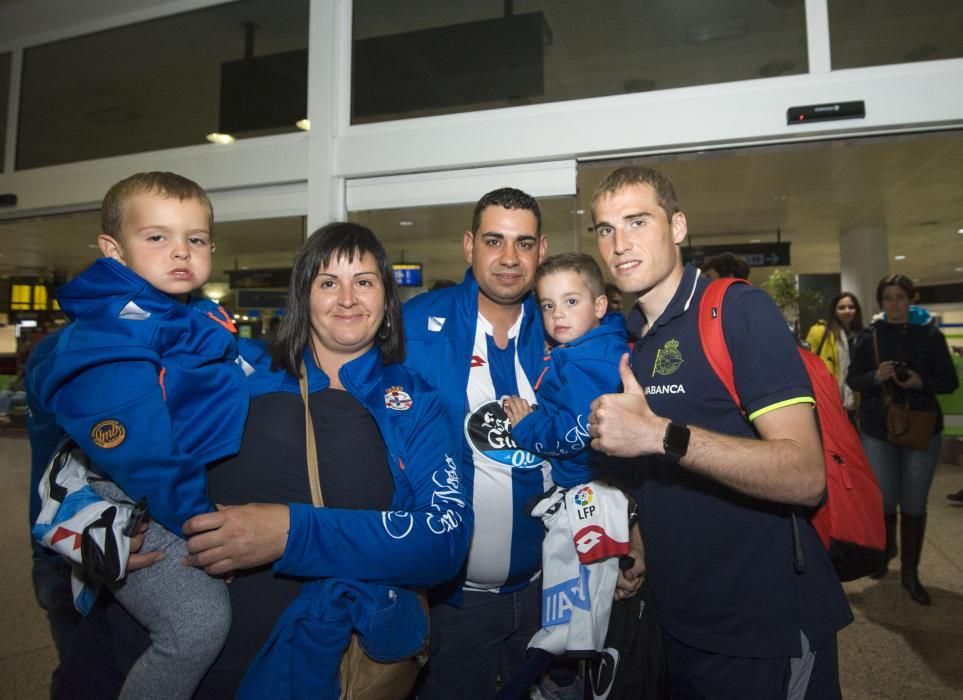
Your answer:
<point x="895" y="649"/>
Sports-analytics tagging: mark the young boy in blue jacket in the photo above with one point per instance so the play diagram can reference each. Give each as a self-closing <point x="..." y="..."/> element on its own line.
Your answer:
<point x="586" y="520"/>
<point x="148" y="383"/>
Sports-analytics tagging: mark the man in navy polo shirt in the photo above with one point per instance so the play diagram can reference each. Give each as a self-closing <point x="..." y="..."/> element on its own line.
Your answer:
<point x="738" y="619"/>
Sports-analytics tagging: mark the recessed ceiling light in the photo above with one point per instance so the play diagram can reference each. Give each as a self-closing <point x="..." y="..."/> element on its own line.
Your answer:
<point x="92" y="245"/>
<point x="406" y="223"/>
<point x="959" y="269"/>
<point x="756" y="240"/>
<point x="303" y="124"/>
<point x="899" y="257"/>
<point x="221" y="139"/>
<point x="959" y="230"/>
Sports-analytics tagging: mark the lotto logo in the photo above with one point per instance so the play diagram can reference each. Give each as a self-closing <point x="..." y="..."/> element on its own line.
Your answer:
<point x="584" y="496"/>
<point x="588" y="538"/>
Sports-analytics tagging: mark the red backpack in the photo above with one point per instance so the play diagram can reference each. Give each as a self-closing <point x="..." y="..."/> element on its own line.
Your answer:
<point x="850" y="519"/>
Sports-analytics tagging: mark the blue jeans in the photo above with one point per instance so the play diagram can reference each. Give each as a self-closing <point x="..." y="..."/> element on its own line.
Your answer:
<point x="904" y="474"/>
<point x="483" y="640"/>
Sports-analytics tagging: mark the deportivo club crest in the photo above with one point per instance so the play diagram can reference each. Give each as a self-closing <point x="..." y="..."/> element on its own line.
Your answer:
<point x="668" y="359"/>
<point x="397" y="399"/>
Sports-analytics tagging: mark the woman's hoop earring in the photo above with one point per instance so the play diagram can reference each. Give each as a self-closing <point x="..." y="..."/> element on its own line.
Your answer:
<point x="385" y="329"/>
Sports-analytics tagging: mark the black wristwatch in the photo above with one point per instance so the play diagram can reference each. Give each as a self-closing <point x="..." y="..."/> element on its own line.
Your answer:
<point x="676" y="441"/>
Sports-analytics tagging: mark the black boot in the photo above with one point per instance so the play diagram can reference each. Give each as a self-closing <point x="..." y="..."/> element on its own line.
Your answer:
<point x="958" y="496"/>
<point x="890" y="521"/>
<point x="911" y="531"/>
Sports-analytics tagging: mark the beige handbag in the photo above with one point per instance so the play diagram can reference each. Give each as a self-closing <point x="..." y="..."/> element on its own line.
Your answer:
<point x="360" y="676"/>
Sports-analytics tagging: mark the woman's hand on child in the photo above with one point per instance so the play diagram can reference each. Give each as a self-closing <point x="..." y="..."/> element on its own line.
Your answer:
<point x="237" y="537"/>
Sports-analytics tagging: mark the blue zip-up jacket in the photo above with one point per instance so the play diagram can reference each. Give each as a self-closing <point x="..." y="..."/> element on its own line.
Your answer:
<point x="151" y="389"/>
<point x="575" y="374"/>
<point x="440" y="330"/>
<point x="44" y="435"/>
<point x="302" y="657"/>
<point x="423" y="540"/>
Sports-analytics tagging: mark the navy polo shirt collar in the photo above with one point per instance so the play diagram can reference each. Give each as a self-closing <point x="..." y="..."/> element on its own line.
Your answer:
<point x="680" y="303"/>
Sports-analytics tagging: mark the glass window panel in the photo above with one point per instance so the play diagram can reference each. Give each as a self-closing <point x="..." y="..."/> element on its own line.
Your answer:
<point x="165" y="83"/>
<point x="4" y="103"/>
<point x="422" y="57"/>
<point x="864" y="33"/>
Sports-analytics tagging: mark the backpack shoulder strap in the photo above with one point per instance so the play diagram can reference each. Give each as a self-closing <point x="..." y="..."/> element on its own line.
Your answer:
<point x="712" y="336"/>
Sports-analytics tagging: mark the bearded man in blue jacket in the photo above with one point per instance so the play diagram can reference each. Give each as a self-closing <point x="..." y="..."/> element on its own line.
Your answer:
<point x="478" y="342"/>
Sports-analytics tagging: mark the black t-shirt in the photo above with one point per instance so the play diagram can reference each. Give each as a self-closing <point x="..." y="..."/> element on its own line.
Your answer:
<point x="271" y="468"/>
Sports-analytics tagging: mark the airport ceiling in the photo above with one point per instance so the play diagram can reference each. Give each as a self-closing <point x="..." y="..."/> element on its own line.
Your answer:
<point x="908" y="187"/>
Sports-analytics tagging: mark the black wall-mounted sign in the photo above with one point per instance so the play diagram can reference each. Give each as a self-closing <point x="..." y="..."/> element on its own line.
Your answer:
<point x="260" y="279"/>
<point x="264" y="92"/>
<point x="495" y="59"/>
<point x="756" y="254"/>
<point x="826" y="112"/>
<point x="261" y="299"/>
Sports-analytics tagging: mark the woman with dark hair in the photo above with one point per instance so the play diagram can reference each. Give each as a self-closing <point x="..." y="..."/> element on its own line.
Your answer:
<point x="395" y="516"/>
<point x="394" y="513"/>
<point x="900" y="361"/>
<point x="833" y="341"/>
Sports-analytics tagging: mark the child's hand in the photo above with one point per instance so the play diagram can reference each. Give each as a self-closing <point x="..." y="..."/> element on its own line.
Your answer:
<point x="630" y="580"/>
<point x="137" y="559"/>
<point x="517" y="408"/>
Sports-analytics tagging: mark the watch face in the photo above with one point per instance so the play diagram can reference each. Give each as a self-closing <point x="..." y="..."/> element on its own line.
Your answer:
<point x="676" y="440"/>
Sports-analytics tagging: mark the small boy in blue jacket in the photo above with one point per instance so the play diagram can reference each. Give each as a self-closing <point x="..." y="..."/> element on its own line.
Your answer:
<point x="148" y="383"/>
<point x="586" y="520"/>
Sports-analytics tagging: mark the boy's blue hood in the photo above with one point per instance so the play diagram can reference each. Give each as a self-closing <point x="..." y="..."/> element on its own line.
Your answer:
<point x="105" y="288"/>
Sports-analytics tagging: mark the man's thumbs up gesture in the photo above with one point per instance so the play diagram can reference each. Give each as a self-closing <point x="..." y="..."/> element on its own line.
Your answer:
<point x="623" y="425"/>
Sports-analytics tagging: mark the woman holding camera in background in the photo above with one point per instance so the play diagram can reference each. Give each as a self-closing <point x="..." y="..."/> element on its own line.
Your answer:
<point x="899" y="365"/>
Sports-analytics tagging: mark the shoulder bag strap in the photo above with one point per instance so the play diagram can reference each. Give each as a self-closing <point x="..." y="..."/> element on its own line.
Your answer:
<point x="309" y="444"/>
<point x="823" y="341"/>
<point x="887" y="397"/>
<point x="712" y="337"/>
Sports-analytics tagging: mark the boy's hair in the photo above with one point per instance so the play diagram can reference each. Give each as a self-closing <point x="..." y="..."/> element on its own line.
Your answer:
<point x="164" y="184"/>
<point x="584" y="265"/>
<point x="506" y="198"/>
<point x="630" y="175"/>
